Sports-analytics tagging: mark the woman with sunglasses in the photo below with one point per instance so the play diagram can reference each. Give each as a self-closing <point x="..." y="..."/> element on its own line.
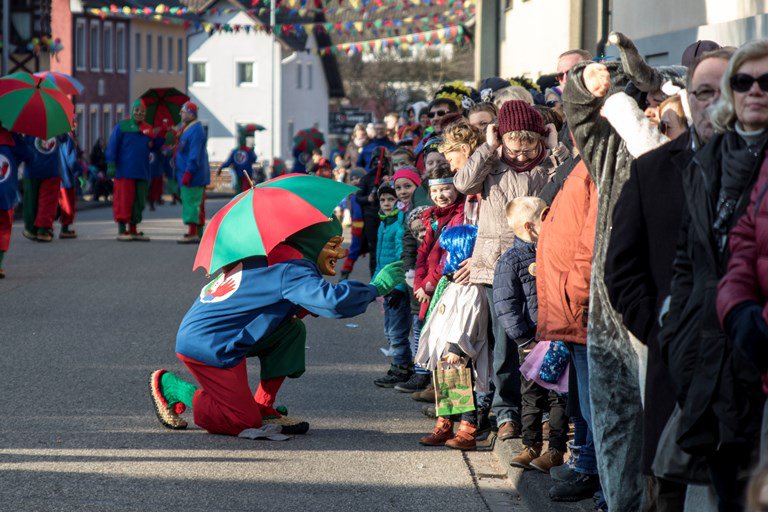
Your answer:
<point x="715" y="377"/>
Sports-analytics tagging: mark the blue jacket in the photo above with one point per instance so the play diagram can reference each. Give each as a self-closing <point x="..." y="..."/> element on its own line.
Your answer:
<point x="192" y="155"/>
<point x="389" y="247"/>
<point x="10" y="156"/>
<point x="368" y="151"/>
<point x="43" y="158"/>
<point x="237" y="310"/>
<point x="241" y="160"/>
<point x="514" y="291"/>
<point x="158" y="161"/>
<point x="68" y="164"/>
<point x="129" y="152"/>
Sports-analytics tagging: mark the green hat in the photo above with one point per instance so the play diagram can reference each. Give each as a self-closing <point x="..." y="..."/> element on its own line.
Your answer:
<point x="311" y="240"/>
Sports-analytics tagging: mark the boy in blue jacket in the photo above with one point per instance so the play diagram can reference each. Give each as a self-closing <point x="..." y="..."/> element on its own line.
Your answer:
<point x="514" y="297"/>
<point x="252" y="309"/>
<point x="397" y="305"/>
<point x="193" y="171"/>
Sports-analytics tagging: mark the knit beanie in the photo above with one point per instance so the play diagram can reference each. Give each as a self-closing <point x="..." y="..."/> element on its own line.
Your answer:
<point x="386" y="189"/>
<point x="356" y="172"/>
<point x="517" y="115"/>
<point x="409" y="173"/>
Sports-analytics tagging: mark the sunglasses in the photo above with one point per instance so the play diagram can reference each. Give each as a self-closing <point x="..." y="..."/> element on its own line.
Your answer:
<point x="439" y="113"/>
<point x="741" y="82"/>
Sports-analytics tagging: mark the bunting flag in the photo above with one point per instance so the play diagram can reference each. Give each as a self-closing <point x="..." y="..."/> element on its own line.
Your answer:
<point x="448" y="34"/>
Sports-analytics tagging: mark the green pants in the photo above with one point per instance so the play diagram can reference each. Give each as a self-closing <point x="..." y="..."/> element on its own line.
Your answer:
<point x="172" y="187"/>
<point x="192" y="205"/>
<point x="282" y="352"/>
<point x="139" y="201"/>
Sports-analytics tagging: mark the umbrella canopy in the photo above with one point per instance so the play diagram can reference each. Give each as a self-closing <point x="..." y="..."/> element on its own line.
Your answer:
<point x="309" y="139"/>
<point x="257" y="220"/>
<point x="34" y="106"/>
<point x="67" y="84"/>
<point x="164" y="103"/>
<point x="252" y="128"/>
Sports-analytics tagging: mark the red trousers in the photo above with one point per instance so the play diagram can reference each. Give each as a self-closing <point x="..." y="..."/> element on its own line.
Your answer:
<point x="6" y="221"/>
<point x="128" y="199"/>
<point x="224" y="403"/>
<point x="67" y="205"/>
<point x="156" y="189"/>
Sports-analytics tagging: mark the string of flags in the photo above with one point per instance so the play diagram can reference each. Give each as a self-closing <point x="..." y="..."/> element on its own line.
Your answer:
<point x="454" y="33"/>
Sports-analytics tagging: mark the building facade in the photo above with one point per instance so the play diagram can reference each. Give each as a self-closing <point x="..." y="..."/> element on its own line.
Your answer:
<point x="158" y="56"/>
<point x="29" y="30"/>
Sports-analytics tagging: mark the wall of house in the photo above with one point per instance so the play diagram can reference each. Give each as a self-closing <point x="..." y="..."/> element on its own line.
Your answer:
<point x="662" y="30"/>
<point x="222" y="103"/>
<point x="106" y="96"/>
<point x="165" y="69"/>
<point x="304" y="102"/>
<point x="61" y="28"/>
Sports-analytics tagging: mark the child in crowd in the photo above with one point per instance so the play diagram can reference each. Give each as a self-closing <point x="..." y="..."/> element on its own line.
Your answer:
<point x="397" y="312"/>
<point x="403" y="157"/>
<point x="378" y="173"/>
<point x="448" y="211"/>
<point x="456" y="332"/>
<point x="356" y="217"/>
<point x="514" y="296"/>
<point x="406" y="181"/>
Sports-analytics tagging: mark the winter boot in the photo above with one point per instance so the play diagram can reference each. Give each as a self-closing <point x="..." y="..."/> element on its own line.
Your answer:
<point x="443" y="432"/>
<point x="551" y="459"/>
<point x="465" y="438"/>
<point x="395" y="375"/>
<point x="417" y="382"/>
<point x="524" y="458"/>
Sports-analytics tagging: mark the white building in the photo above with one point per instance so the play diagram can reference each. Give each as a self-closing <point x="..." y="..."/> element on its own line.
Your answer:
<point x="231" y="80"/>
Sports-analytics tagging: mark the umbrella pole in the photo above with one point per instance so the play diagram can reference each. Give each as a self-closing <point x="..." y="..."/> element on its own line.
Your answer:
<point x="250" y="181"/>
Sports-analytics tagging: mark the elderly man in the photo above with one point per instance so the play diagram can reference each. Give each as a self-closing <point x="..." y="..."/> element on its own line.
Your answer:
<point x="193" y="172"/>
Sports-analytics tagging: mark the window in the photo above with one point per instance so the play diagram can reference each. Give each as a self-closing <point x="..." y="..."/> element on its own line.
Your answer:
<point x="80" y="45"/>
<point x="298" y="75"/>
<point x="94" y="41"/>
<point x="199" y="75"/>
<point x="119" y="112"/>
<point x="108" y="47"/>
<point x="93" y="125"/>
<point x="170" y="54"/>
<point x="309" y="76"/>
<point x="80" y="120"/>
<point x="120" y="48"/>
<point x="180" y="56"/>
<point x="245" y="74"/>
<point x="137" y="52"/>
<point x="159" y="53"/>
<point x="149" y="52"/>
<point x="106" y="121"/>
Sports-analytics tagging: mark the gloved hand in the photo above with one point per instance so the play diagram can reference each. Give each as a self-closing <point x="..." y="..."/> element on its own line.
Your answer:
<point x="111" y="170"/>
<point x="389" y="277"/>
<point x="748" y="331"/>
<point x="186" y="179"/>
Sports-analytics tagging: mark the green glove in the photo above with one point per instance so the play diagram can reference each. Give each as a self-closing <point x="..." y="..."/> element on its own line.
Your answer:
<point x="111" y="170"/>
<point x="389" y="277"/>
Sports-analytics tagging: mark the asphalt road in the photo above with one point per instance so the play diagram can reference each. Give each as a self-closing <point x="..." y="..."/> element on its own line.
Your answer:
<point x="85" y="321"/>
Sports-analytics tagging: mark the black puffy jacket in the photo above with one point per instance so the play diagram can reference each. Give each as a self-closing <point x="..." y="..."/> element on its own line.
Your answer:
<point x="514" y="291"/>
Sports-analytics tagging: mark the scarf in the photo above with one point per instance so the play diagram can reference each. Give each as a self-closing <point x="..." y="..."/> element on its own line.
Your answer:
<point x="524" y="166"/>
<point x="387" y="218"/>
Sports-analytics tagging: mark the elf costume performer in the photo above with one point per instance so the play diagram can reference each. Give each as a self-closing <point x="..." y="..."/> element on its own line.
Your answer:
<point x="12" y="150"/>
<point x="128" y="163"/>
<point x="69" y="167"/>
<point x="42" y="178"/>
<point x="241" y="160"/>
<point x="252" y="309"/>
<point x="193" y="172"/>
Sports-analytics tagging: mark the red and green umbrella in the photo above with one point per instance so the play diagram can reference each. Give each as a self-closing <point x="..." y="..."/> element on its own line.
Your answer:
<point x="164" y="103"/>
<point x="252" y="128"/>
<point x="34" y="106"/>
<point x="67" y="84"/>
<point x="309" y="139"/>
<point x="257" y="220"/>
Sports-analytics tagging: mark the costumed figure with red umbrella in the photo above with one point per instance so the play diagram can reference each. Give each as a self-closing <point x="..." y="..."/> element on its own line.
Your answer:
<point x="271" y="275"/>
<point x="193" y="172"/>
<point x="241" y="160"/>
<point x="128" y="163"/>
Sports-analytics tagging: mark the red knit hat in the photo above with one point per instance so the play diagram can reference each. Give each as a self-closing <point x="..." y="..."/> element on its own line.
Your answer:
<point x="517" y="115"/>
<point x="409" y="173"/>
<point x="190" y="107"/>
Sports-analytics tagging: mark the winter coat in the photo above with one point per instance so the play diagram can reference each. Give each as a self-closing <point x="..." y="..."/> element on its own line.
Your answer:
<point x="514" y="291"/>
<point x="12" y="152"/>
<point x="430" y="256"/>
<point x="718" y="392"/>
<point x="366" y="186"/>
<point x="485" y="173"/>
<point x="613" y="363"/>
<point x="128" y="149"/>
<point x="43" y="158"/>
<point x="638" y="267"/>
<point x="192" y="155"/>
<point x="564" y="260"/>
<point x="389" y="245"/>
<point x="368" y="151"/>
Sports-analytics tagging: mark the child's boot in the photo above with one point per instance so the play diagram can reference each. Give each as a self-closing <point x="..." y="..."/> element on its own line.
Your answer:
<point x="428" y="395"/>
<point x="551" y="459"/>
<point x="465" y="438"/>
<point x="443" y="432"/>
<point x="524" y="458"/>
